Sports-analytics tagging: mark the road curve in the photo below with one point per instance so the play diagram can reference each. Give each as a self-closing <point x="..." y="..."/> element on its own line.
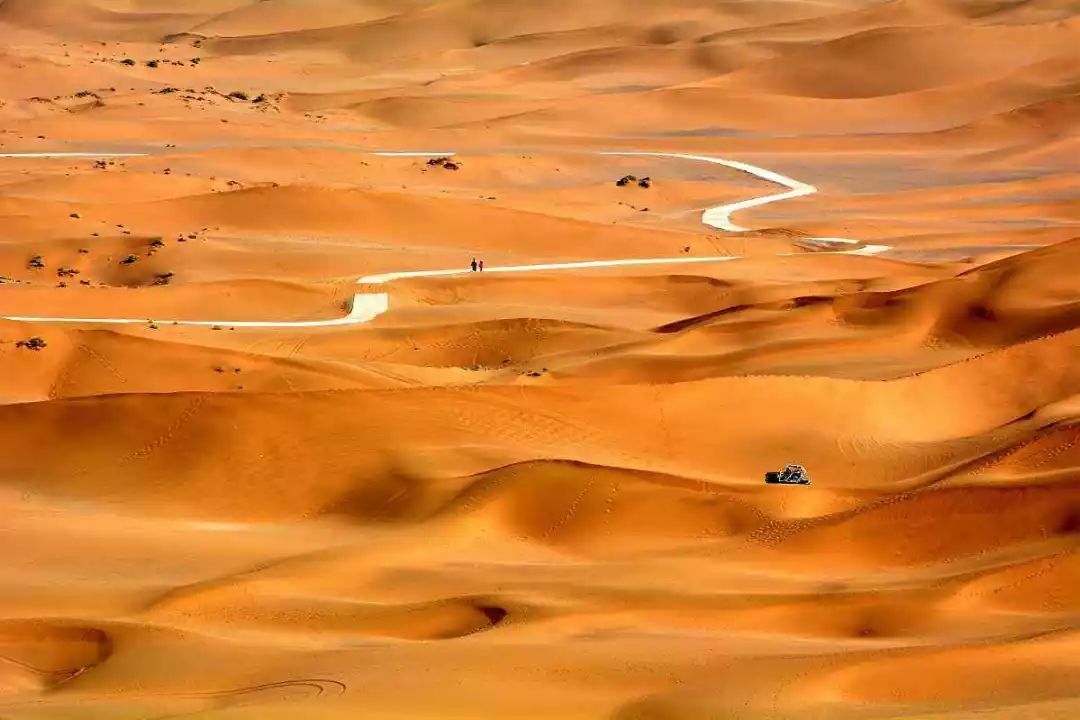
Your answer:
<point x="368" y="305"/>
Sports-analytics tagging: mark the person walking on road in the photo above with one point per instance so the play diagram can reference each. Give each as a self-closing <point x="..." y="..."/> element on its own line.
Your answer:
<point x="481" y="266"/>
<point x="473" y="264"/>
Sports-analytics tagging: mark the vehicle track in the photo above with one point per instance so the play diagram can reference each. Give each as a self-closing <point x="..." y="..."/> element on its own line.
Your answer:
<point x="366" y="306"/>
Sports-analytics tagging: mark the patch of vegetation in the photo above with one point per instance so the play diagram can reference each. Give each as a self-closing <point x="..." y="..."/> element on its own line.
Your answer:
<point x="444" y="162"/>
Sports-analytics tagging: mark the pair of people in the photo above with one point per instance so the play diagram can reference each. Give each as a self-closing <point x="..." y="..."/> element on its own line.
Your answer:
<point x="477" y="265"/>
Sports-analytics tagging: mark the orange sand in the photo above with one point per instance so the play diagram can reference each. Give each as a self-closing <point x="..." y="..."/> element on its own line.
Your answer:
<point x="540" y="495"/>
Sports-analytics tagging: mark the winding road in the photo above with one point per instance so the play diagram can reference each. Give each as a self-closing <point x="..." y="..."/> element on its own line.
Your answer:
<point x="367" y="305"/>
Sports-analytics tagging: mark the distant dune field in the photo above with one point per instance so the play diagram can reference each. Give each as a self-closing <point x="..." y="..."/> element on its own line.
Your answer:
<point x="540" y="494"/>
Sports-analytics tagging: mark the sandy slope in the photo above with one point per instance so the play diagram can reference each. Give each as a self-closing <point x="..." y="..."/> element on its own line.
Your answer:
<point x="539" y="495"/>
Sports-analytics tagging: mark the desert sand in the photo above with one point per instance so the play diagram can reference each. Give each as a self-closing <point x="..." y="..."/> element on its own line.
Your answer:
<point x="313" y="476"/>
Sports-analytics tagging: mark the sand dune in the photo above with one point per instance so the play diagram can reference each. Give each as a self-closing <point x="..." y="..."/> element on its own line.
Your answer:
<point x="970" y="60"/>
<point x="539" y="494"/>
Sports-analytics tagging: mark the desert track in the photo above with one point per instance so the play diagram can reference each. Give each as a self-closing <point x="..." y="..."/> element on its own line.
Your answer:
<point x="366" y="306"/>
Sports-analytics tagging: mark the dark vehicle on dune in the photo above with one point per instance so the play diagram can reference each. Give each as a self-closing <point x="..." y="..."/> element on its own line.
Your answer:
<point x="790" y="475"/>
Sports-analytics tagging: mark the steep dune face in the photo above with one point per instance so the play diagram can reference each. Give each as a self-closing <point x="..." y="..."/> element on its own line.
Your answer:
<point x="1005" y="302"/>
<point x="539" y="493"/>
<point x="40" y="655"/>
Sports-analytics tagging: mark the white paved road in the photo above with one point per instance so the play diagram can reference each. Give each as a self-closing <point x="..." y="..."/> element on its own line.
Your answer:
<point x="368" y="305"/>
